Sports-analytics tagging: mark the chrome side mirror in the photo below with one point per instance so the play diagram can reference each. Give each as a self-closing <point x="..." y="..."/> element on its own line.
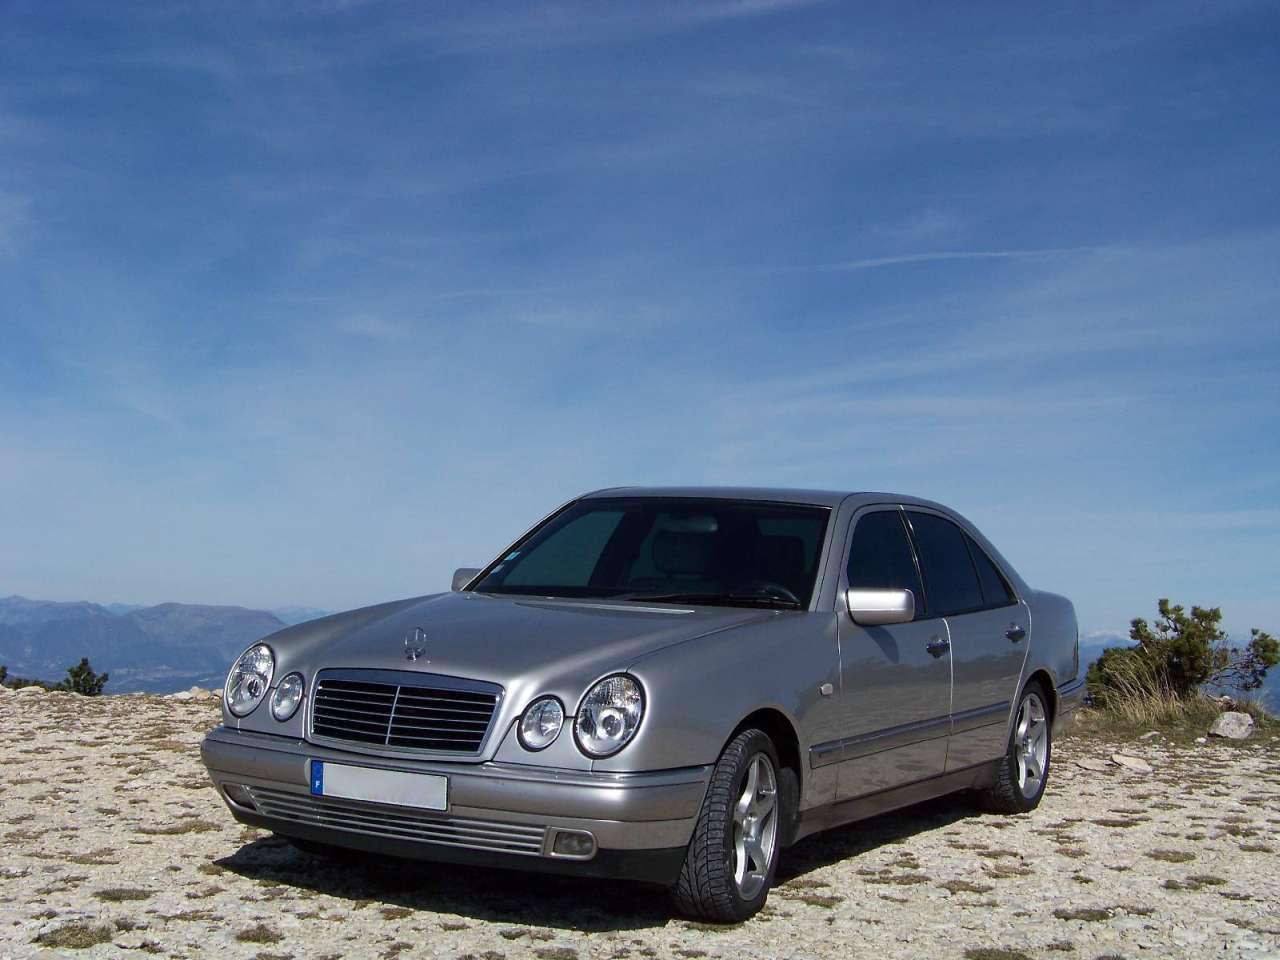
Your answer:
<point x="877" y="608"/>
<point x="462" y="576"/>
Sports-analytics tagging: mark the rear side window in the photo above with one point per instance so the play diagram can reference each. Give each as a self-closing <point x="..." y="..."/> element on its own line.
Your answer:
<point x="880" y="557"/>
<point x="995" y="591"/>
<point x="949" y="576"/>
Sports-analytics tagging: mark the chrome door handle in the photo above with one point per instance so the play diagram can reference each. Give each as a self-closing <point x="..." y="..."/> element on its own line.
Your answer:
<point x="937" y="646"/>
<point x="1015" y="633"/>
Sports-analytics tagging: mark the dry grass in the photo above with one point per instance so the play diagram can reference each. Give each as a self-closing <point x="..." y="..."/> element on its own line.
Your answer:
<point x="76" y="936"/>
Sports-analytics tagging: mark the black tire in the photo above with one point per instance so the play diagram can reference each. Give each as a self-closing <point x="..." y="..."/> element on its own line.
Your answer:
<point x="1008" y="793"/>
<point x="706" y="889"/>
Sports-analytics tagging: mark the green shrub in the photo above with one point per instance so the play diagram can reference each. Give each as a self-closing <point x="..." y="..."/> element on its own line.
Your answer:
<point x="1177" y="655"/>
<point x="82" y="680"/>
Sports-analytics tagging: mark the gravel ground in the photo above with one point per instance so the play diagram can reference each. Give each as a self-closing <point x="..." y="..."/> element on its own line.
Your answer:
<point x="113" y="838"/>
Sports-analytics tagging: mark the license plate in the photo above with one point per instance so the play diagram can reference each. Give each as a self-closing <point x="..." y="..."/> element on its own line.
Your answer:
<point x="422" y="790"/>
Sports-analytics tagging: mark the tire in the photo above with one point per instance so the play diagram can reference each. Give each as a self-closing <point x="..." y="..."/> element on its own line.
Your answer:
<point x="1016" y="789"/>
<point x="745" y="818"/>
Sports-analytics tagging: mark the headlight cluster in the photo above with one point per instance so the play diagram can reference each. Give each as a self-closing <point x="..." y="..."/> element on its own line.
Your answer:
<point x="284" y="702"/>
<point x="609" y="716"/>
<point x="607" y="719"/>
<point x="249" y="680"/>
<point x="541" y="723"/>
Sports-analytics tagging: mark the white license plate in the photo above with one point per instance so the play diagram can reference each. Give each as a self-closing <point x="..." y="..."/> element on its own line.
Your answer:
<point x="423" y="790"/>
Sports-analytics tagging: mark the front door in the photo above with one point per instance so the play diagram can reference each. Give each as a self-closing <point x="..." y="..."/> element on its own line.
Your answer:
<point x="896" y="680"/>
<point x="988" y="628"/>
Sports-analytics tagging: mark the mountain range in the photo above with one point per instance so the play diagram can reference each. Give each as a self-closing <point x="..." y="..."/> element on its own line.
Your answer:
<point x="159" y="648"/>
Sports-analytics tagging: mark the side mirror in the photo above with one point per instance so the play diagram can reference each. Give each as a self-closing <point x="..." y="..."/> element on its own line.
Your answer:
<point x="462" y="576"/>
<point x="876" y="608"/>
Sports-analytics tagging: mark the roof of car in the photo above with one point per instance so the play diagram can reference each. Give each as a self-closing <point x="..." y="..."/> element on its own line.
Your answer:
<point x="824" y="498"/>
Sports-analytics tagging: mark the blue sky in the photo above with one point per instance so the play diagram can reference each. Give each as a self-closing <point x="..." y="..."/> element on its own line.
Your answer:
<point x="312" y="302"/>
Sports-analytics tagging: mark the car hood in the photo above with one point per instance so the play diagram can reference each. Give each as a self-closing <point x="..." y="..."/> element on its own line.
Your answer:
<point x="499" y="639"/>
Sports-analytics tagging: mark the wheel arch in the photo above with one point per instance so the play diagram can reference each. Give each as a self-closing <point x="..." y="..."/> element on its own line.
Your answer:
<point x="1050" y="687"/>
<point x="779" y="728"/>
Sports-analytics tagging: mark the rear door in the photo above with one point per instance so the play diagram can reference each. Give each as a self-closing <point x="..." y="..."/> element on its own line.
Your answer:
<point x="987" y="627"/>
<point x="896" y="680"/>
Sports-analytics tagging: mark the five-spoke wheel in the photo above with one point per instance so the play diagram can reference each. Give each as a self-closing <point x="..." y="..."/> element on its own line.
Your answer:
<point x="1021" y="774"/>
<point x="755" y="827"/>
<point x="734" y="851"/>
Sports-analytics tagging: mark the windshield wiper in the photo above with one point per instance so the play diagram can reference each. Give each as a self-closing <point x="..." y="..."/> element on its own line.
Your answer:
<point x="725" y="599"/>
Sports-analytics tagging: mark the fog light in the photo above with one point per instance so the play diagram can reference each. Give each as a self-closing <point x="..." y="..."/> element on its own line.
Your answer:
<point x="239" y="794"/>
<point x="574" y="843"/>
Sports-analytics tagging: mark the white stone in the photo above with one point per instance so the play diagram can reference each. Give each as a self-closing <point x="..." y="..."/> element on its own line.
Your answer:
<point x="1233" y="725"/>
<point x="30" y="691"/>
<point x="1136" y="764"/>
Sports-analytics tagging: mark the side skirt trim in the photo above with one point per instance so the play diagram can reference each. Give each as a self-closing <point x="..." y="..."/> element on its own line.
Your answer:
<point x="873" y="804"/>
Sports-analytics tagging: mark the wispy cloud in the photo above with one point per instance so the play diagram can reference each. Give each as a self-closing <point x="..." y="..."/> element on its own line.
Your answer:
<point x="940" y="256"/>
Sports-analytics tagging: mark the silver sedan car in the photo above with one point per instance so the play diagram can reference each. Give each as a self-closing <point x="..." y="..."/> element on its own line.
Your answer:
<point x="670" y="685"/>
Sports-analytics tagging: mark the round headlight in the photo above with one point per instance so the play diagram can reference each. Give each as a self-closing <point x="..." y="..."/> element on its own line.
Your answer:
<point x="249" y="680"/>
<point x="541" y="723"/>
<point x="609" y="716"/>
<point x="284" y="702"/>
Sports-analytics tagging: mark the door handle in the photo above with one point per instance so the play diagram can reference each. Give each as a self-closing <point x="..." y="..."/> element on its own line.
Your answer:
<point x="1015" y="633"/>
<point x="937" y="646"/>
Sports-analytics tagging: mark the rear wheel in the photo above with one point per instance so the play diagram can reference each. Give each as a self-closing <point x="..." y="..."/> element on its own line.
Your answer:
<point x="731" y="860"/>
<point x="1023" y="772"/>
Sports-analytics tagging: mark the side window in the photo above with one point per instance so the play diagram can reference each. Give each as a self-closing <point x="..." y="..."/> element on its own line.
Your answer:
<point x="880" y="556"/>
<point x="949" y="576"/>
<point x="568" y="557"/>
<point x="995" y="592"/>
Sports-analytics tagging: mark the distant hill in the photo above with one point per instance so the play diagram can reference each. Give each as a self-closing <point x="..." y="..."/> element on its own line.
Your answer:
<point x="292" y="615"/>
<point x="160" y="648"/>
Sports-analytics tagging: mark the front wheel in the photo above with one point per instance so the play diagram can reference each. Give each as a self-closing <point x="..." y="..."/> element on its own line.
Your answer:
<point x="1023" y="772"/>
<point x="731" y="860"/>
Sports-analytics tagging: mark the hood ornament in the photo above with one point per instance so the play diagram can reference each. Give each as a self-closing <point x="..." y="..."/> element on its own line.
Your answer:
<point x="415" y="645"/>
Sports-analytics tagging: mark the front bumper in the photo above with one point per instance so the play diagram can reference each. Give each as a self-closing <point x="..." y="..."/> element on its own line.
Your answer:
<point x="499" y="814"/>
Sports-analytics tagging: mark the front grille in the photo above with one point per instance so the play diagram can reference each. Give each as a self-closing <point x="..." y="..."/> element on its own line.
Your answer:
<point x="399" y="823"/>
<point x="405" y="711"/>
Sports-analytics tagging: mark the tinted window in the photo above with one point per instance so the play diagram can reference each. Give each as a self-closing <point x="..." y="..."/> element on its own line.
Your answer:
<point x="995" y="592"/>
<point x="730" y="552"/>
<point x="949" y="578"/>
<point x="567" y="557"/>
<point x="880" y="556"/>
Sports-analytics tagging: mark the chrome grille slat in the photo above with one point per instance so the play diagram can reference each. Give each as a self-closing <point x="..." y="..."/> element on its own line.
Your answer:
<point x="379" y="820"/>
<point x="403" y="710"/>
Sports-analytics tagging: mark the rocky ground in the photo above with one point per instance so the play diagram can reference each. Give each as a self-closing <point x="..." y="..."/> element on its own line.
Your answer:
<point x="114" y="843"/>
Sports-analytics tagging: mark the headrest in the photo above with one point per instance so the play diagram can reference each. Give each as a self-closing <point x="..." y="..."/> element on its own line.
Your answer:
<point x="781" y="555"/>
<point x="680" y="552"/>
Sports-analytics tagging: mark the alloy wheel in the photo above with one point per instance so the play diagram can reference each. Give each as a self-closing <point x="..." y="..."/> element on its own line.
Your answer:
<point x="1031" y="744"/>
<point x="755" y="827"/>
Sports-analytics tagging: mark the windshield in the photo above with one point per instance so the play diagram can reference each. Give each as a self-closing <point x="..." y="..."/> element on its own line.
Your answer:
<point x="720" y="552"/>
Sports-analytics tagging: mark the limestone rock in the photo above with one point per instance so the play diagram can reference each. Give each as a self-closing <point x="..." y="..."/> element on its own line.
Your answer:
<point x="1092" y="763"/>
<point x="1232" y="725"/>
<point x="1136" y="764"/>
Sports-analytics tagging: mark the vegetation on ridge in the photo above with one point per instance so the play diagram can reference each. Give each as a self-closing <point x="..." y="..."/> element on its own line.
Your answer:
<point x="80" y="679"/>
<point x="1161" y="681"/>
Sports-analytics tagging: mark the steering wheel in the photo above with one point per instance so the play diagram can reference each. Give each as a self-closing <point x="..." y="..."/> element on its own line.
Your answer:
<point x="768" y="588"/>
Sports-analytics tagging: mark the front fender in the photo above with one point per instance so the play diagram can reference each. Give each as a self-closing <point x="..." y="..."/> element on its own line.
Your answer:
<point x="697" y="692"/>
